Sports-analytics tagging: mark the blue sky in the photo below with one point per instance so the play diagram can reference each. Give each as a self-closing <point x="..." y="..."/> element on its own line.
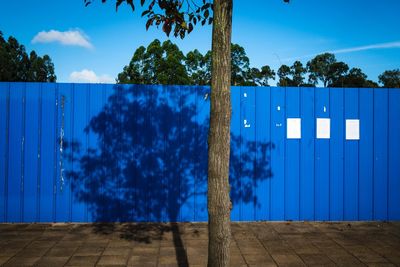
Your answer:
<point x="94" y="43"/>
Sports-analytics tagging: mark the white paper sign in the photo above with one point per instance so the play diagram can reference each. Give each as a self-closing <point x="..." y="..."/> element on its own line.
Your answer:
<point x="293" y="128"/>
<point x="323" y="128"/>
<point x="352" y="129"/>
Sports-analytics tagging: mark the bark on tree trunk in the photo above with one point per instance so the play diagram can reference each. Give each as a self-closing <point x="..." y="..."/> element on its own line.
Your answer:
<point x="219" y="204"/>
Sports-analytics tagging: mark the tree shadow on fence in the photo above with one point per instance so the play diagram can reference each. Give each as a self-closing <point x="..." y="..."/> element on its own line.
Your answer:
<point x="150" y="162"/>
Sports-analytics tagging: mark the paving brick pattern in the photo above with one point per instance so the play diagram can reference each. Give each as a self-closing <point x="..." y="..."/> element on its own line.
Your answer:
<point x="185" y="244"/>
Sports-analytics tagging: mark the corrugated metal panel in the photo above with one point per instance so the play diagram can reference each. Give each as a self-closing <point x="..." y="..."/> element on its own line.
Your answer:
<point x="87" y="152"/>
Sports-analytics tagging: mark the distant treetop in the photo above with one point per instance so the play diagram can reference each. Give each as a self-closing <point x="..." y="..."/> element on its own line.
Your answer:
<point x="17" y="66"/>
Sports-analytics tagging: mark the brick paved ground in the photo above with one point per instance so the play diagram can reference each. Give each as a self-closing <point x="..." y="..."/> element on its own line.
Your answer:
<point x="254" y="244"/>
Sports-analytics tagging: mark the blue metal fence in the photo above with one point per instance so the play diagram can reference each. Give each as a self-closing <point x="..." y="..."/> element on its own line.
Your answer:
<point x="84" y="152"/>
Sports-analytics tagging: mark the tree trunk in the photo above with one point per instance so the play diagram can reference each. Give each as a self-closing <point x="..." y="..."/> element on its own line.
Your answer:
<point x="219" y="204"/>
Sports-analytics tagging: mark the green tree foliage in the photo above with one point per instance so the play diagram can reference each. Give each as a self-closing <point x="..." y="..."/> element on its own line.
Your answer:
<point x="41" y="68"/>
<point x="241" y="72"/>
<point x="326" y="69"/>
<point x="284" y="76"/>
<point x="178" y="17"/>
<point x="293" y="75"/>
<point x="266" y="74"/>
<point x="240" y="65"/>
<point x="198" y="67"/>
<point x="166" y="64"/>
<point x="390" y="78"/>
<point x="332" y="73"/>
<point x="298" y="71"/>
<point x="354" y="78"/>
<point x="17" y="66"/>
<point x="156" y="64"/>
<point x="259" y="77"/>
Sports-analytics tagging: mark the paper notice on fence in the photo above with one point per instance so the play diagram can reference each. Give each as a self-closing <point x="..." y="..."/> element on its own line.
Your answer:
<point x="323" y="128"/>
<point x="293" y="128"/>
<point x="352" y="129"/>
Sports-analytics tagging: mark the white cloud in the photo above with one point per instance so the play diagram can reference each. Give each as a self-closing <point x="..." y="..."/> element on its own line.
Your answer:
<point x="352" y="49"/>
<point x="89" y="76"/>
<point x="366" y="47"/>
<point x="72" y="38"/>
